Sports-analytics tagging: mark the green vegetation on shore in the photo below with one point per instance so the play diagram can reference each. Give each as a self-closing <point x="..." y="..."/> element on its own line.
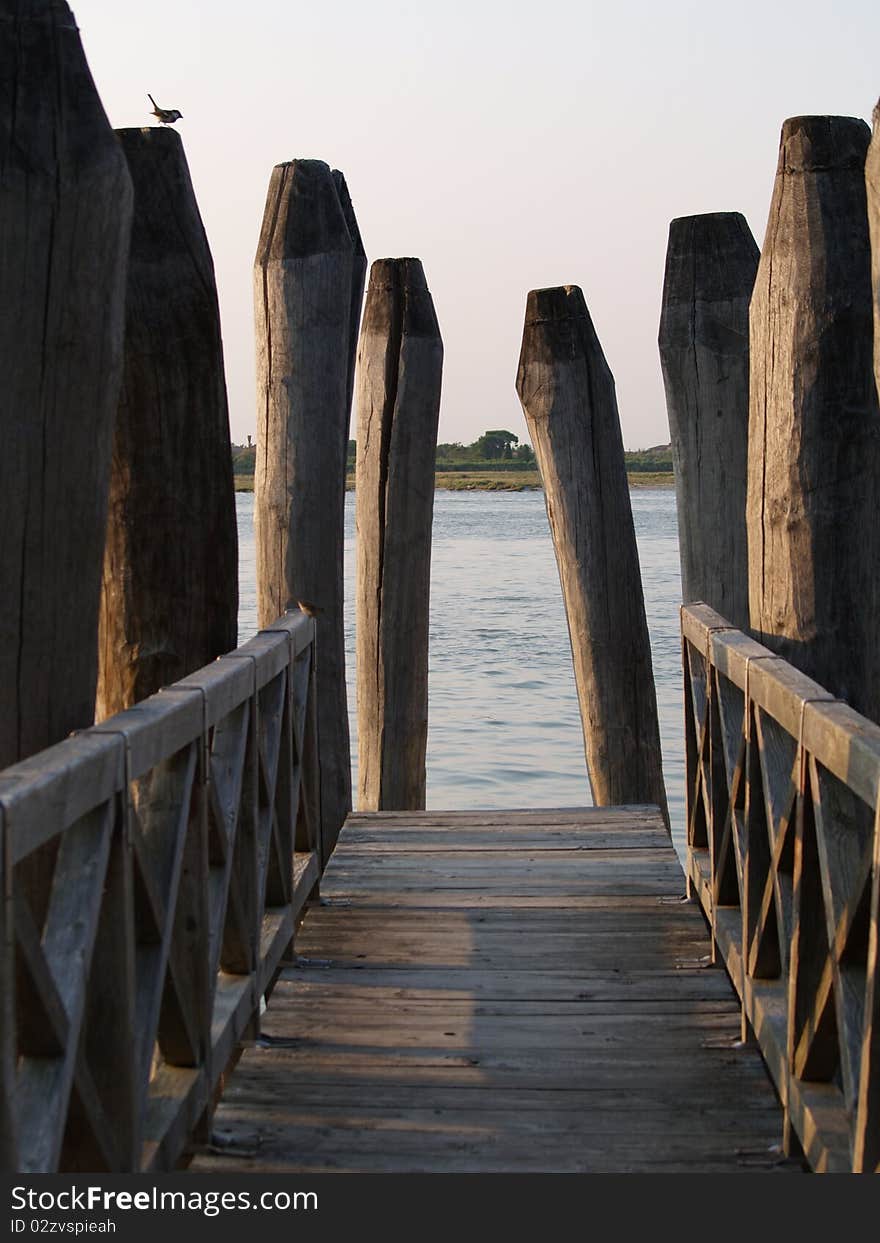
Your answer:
<point x="495" y="462"/>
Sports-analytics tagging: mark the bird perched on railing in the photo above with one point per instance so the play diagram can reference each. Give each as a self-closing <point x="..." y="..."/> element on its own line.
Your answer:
<point x="166" y="115"/>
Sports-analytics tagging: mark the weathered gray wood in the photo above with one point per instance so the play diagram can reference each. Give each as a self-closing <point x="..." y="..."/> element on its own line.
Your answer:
<point x="358" y="280"/>
<point x="408" y="1038"/>
<point x="165" y="848"/>
<point x="567" y="392"/>
<point x="303" y="287"/>
<point x="711" y="263"/>
<point x="65" y="216"/>
<point x="814" y="430"/>
<point x="400" y="363"/>
<point x="872" y="186"/>
<point x="170" y="591"/>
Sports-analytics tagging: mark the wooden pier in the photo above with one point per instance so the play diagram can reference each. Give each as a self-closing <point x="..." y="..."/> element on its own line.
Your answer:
<point x="497" y="992"/>
<point x="473" y="991"/>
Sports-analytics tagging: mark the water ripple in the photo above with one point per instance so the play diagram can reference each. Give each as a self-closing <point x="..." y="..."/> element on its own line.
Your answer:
<point x="504" y="726"/>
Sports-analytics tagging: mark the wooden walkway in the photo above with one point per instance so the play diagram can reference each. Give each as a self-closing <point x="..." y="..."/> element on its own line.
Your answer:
<point x="499" y="992"/>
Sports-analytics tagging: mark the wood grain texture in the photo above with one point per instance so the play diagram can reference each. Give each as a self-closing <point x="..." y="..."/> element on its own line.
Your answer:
<point x="400" y="363"/>
<point x="169" y="603"/>
<point x="814" y="432"/>
<point x="786" y="866"/>
<point x="872" y="187"/>
<point x="171" y="894"/>
<point x="65" y="216"/>
<point x="358" y="280"/>
<point x="567" y="392"/>
<point x="711" y="262"/>
<point x="304" y="282"/>
<point x="463" y="1038"/>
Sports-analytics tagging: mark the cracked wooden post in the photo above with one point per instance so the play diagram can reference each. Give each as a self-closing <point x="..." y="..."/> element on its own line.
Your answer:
<point x="65" y="216"/>
<point x="400" y="363"/>
<point x="814" y="428"/>
<point x="872" y="186"/>
<point x="567" y="393"/>
<point x="358" y="280"/>
<point x="304" y="276"/>
<point x="170" y="592"/>
<point x="711" y="263"/>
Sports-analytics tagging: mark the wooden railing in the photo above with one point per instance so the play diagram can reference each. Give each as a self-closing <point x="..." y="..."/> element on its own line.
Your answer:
<point x="153" y="870"/>
<point x="784" y="854"/>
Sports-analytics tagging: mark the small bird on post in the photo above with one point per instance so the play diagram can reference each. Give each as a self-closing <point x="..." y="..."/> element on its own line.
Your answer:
<point x="166" y="115"/>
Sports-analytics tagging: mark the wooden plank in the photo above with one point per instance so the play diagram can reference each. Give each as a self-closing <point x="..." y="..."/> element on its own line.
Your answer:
<point x="413" y="1037"/>
<point x="43" y="795"/>
<point x="465" y="985"/>
<point x="584" y="817"/>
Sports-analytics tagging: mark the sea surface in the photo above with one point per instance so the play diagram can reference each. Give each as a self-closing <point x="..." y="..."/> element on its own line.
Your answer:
<point x="504" y="728"/>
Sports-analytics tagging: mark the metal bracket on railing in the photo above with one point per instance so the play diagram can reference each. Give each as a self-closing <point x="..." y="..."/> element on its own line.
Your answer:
<point x="126" y="775"/>
<point x="204" y="750"/>
<point x="802" y="758"/>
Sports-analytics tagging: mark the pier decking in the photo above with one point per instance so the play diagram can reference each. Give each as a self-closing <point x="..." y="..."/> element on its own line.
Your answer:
<point x="496" y="992"/>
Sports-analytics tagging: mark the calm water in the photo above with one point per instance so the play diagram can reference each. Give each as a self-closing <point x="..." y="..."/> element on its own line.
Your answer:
<point x="504" y="728"/>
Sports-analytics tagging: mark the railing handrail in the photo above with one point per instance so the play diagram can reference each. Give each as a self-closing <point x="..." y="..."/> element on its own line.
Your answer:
<point x="178" y="836"/>
<point x="845" y="742"/>
<point x="784" y="854"/>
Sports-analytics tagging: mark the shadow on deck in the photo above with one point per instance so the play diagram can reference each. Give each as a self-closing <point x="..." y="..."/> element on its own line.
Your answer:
<point x="501" y="992"/>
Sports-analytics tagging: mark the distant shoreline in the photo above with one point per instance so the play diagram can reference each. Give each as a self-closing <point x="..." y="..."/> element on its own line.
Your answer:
<point x="498" y="481"/>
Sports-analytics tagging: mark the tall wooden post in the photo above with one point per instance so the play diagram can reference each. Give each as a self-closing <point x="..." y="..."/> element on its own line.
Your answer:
<point x="814" y="430"/>
<point x="567" y="392"/>
<point x="872" y="185"/>
<point x="400" y="363"/>
<point x="170" y="592"/>
<point x="65" y="216"/>
<point x="358" y="280"/>
<point x="711" y="263"/>
<point x="303" y="295"/>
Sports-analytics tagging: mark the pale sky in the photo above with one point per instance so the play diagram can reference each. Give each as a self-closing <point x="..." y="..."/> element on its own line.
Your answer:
<point x="507" y="145"/>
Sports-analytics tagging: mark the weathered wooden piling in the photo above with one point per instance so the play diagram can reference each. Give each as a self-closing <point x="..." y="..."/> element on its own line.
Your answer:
<point x="814" y="430"/>
<point x="567" y="392"/>
<point x="872" y="186"/>
<point x="170" y="592"/>
<point x="400" y="363"/>
<point x="65" y="216"/>
<point x="304" y="277"/>
<point x="358" y="280"/>
<point x="711" y="263"/>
